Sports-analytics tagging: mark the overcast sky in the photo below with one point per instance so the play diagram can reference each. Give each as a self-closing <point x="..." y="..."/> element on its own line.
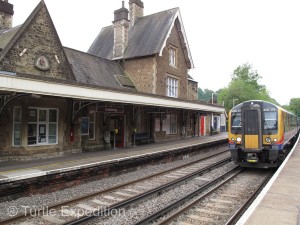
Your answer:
<point x="221" y="35"/>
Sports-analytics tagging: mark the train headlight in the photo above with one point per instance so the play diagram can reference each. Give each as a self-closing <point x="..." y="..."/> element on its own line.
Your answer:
<point x="268" y="139"/>
<point x="232" y="139"/>
<point x="239" y="139"/>
<point x="275" y="140"/>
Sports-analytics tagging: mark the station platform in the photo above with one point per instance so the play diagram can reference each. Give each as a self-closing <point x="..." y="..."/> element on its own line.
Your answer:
<point x="18" y="170"/>
<point x="279" y="201"/>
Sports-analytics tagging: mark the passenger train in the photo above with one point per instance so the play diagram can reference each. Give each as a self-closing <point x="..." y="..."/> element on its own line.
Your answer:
<point x="259" y="133"/>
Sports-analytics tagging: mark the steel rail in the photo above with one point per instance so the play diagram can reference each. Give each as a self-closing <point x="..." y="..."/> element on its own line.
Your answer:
<point x="164" y="187"/>
<point x="21" y="216"/>
<point x="188" y="197"/>
<point x="241" y="210"/>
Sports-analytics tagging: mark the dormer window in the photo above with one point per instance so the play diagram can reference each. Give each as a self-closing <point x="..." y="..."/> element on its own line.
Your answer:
<point x="173" y="56"/>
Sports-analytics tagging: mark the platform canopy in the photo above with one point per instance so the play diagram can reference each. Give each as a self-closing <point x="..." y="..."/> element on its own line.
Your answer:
<point x="19" y="84"/>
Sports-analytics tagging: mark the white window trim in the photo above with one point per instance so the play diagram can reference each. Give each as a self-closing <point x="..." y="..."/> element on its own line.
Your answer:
<point x="167" y="124"/>
<point x="173" y="56"/>
<point x="13" y="134"/>
<point x="176" y="123"/>
<point x="47" y="126"/>
<point x="172" y="87"/>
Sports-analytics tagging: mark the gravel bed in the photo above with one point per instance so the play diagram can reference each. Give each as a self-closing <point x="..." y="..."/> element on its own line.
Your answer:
<point x="241" y="186"/>
<point x="138" y="211"/>
<point x="43" y="200"/>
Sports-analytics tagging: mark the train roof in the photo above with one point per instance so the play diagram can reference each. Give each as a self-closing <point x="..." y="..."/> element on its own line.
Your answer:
<point x="279" y="107"/>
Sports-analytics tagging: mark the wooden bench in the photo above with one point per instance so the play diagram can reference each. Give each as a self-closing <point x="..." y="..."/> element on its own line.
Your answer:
<point x="142" y="138"/>
<point x="214" y="132"/>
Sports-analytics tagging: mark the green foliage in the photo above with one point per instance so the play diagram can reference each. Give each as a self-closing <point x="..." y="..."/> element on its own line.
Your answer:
<point x="295" y="106"/>
<point x="244" y="86"/>
<point x="205" y="95"/>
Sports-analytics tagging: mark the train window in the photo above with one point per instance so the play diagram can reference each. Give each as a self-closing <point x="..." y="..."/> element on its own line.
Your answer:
<point x="270" y="121"/>
<point x="236" y="121"/>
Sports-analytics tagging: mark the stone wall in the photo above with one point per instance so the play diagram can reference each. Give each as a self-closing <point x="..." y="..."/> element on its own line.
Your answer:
<point x="6" y="13"/>
<point x="136" y="10"/>
<point x="5" y="20"/>
<point x="40" y="38"/>
<point x="120" y="37"/>
<point x="164" y="68"/>
<point x="149" y="74"/>
<point x="25" y="151"/>
<point x="142" y="72"/>
<point x="192" y="90"/>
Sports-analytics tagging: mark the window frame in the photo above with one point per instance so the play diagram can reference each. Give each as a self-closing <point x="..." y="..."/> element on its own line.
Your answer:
<point x="92" y="123"/>
<point x="172" y="87"/>
<point x="173" y="56"/>
<point x="170" y="124"/>
<point x="85" y="120"/>
<point x="14" y="123"/>
<point x="46" y="123"/>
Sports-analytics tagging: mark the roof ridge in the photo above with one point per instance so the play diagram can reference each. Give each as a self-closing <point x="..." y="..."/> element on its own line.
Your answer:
<point x="98" y="57"/>
<point x="176" y="8"/>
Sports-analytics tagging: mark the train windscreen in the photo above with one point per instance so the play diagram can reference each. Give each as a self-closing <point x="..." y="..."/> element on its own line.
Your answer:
<point x="270" y="122"/>
<point x="236" y="121"/>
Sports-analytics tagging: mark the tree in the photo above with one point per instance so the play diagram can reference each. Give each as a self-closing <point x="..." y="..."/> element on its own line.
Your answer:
<point x="205" y="95"/>
<point x="295" y="106"/>
<point x="244" y="86"/>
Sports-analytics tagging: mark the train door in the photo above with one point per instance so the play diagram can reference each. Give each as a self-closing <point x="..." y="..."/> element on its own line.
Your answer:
<point x="251" y="129"/>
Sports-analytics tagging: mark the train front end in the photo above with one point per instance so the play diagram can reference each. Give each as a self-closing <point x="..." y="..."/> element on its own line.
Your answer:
<point x="254" y="134"/>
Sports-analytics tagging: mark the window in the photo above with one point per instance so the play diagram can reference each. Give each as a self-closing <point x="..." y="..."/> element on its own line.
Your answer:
<point x="42" y="126"/>
<point x="85" y="123"/>
<point x="270" y="121"/>
<point x="17" y="126"/>
<point x="170" y="124"/>
<point x="92" y="126"/>
<point x="87" y="126"/>
<point x="172" y="87"/>
<point x="172" y="56"/>
<point x="191" y="122"/>
<point x="236" y="121"/>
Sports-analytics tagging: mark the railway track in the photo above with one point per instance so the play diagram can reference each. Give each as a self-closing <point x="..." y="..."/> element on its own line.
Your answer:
<point x="103" y="202"/>
<point x="223" y="204"/>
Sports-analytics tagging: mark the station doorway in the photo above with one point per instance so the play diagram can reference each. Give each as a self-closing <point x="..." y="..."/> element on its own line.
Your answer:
<point x="117" y="127"/>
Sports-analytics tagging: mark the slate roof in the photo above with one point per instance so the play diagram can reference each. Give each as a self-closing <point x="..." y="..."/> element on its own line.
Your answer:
<point x="6" y="35"/>
<point x="146" y="37"/>
<point x="89" y="69"/>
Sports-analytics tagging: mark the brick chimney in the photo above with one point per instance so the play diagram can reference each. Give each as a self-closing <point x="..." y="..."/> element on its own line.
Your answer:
<point x="6" y="14"/>
<point x="121" y="27"/>
<point x="136" y="10"/>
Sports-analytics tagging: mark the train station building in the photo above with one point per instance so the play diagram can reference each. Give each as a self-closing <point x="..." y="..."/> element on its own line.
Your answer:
<point x="131" y="87"/>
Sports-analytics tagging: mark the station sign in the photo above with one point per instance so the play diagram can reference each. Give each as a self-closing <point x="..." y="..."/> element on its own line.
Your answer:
<point x="111" y="109"/>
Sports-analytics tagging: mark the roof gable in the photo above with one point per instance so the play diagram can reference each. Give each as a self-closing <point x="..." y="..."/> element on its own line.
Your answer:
<point x="36" y="39"/>
<point x="147" y="37"/>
